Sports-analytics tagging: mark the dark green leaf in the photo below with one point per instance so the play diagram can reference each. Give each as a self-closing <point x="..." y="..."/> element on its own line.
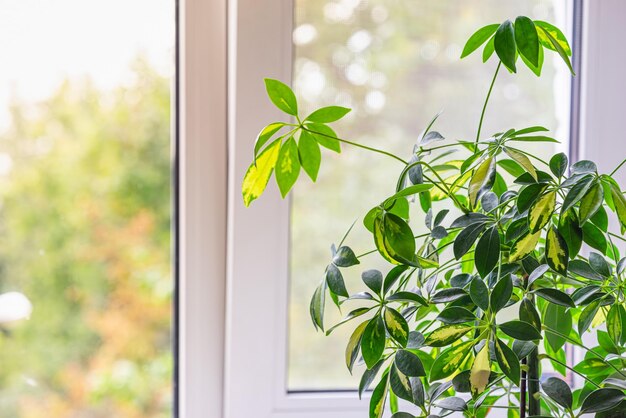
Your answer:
<point x="373" y="279"/>
<point x="335" y="282"/>
<point x="591" y="202"/>
<point x="559" y="319"/>
<point x="527" y="40"/>
<point x="479" y="293"/>
<point x="310" y="155"/>
<point x="508" y="361"/>
<point x="368" y="377"/>
<point x="456" y="315"/>
<point x="404" y="296"/>
<point x="478" y="38"/>
<point x="282" y="96"/>
<point x="555" y="296"/>
<point x="558" y="391"/>
<point x="328" y="114"/>
<point x="594" y="237"/>
<point x="576" y="193"/>
<point x="520" y="330"/>
<point x="587" y="315"/>
<point x="584" y="166"/>
<point x="392" y="277"/>
<point x="344" y="257"/>
<point x="373" y="341"/>
<point x="400" y="384"/>
<point x="528" y="313"/>
<point x="287" y="166"/>
<point x="602" y="400"/>
<point x="583" y="269"/>
<point x="619" y="201"/>
<point x="487" y="251"/>
<point x="537" y="274"/>
<point x="452" y="403"/>
<point x="466" y="238"/>
<point x="601" y="219"/>
<point x="504" y="44"/>
<point x="599" y="264"/>
<point x="469" y="219"/>
<point x="501" y="293"/>
<point x="316" y="308"/>
<point x="558" y="164"/>
<point x="409" y="364"/>
<point x="528" y="195"/>
<point x="448" y="295"/>
<point x="571" y="232"/>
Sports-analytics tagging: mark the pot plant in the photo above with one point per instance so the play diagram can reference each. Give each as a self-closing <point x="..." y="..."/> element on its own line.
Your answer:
<point x="506" y="231"/>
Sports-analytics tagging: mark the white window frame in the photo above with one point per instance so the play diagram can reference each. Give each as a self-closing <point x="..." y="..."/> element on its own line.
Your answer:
<point x="233" y="290"/>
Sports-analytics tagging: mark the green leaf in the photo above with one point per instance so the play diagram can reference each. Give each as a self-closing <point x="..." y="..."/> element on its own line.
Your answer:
<point x="591" y="202"/>
<point x="501" y="293"/>
<point x="265" y="135"/>
<point x="450" y="360"/>
<point x="351" y="315"/>
<point x="373" y="341"/>
<point x="559" y="319"/>
<point x="379" y="396"/>
<point x="602" y="400"/>
<point x="324" y="135"/>
<point x="282" y="96"/>
<point x="599" y="264"/>
<point x="508" y="361"/>
<point x="536" y="69"/>
<point x="512" y="167"/>
<point x="534" y="138"/>
<point x="345" y="257"/>
<point x="368" y="377"/>
<point x="394" y="239"/>
<point x="456" y="315"/>
<point x="594" y="237"/>
<point x="558" y="48"/>
<point x="409" y="191"/>
<point x="587" y="315"/>
<point x="504" y="44"/>
<point x="479" y="293"/>
<point x="555" y="296"/>
<point x="335" y="282"/>
<point x="373" y="279"/>
<point x="571" y="232"/>
<point x="446" y="335"/>
<point x="478" y="38"/>
<point x="480" y="371"/>
<point x="409" y="363"/>
<point x="601" y="218"/>
<point x="614" y="324"/>
<point x="620" y="204"/>
<point x="482" y="180"/>
<point x="558" y="164"/>
<point x="404" y="296"/>
<point x="396" y="326"/>
<point x="328" y="114"/>
<point x="466" y="238"/>
<point x="556" y="251"/>
<point x="524" y="246"/>
<point x="316" y="307"/>
<point x="489" y="49"/>
<point x="558" y="391"/>
<point x="310" y="155"/>
<point x="527" y="40"/>
<point x="487" y="251"/>
<point x="528" y="313"/>
<point x="400" y="384"/>
<point x="520" y="330"/>
<point x="354" y="344"/>
<point x="522" y="160"/>
<point x="448" y="295"/>
<point x="576" y="192"/>
<point x="259" y="173"/>
<point x="287" y="166"/>
<point x="528" y="195"/>
<point x="392" y="277"/>
<point x="541" y="211"/>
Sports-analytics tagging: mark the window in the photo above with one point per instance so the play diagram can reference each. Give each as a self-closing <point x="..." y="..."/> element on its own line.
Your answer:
<point x="85" y="207"/>
<point x="397" y="65"/>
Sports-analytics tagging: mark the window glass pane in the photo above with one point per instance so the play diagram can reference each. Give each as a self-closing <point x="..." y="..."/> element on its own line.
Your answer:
<point x="397" y="65"/>
<point x="85" y="208"/>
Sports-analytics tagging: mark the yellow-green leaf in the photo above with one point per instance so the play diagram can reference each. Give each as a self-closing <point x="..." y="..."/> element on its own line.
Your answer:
<point x="556" y="251"/>
<point x="352" y="349"/>
<point x="447" y="335"/>
<point x="482" y="180"/>
<point x="524" y="246"/>
<point x="287" y="166"/>
<point x="396" y="326"/>
<point x="379" y="396"/>
<point x="479" y="374"/>
<point x="450" y="360"/>
<point x="540" y="211"/>
<point x="522" y="160"/>
<point x="591" y="202"/>
<point x="620" y="205"/>
<point x="259" y="173"/>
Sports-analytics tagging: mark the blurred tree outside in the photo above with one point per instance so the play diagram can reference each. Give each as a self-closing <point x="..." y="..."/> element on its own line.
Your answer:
<point x="85" y="233"/>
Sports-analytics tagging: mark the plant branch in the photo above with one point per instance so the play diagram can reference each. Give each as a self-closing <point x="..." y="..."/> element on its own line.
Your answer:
<point x="482" y="115"/>
<point x="617" y="168"/>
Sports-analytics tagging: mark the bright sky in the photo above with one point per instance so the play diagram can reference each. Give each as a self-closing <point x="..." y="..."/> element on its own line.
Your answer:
<point x="42" y="42"/>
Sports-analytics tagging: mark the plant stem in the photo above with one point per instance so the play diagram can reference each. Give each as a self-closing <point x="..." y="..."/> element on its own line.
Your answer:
<point x="572" y="370"/>
<point x="534" y="405"/>
<point x="354" y="144"/>
<point x="482" y="115"/>
<point x="617" y="168"/>
<point x="522" y="391"/>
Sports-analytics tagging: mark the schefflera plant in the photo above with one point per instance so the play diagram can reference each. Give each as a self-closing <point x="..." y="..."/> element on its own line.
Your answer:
<point x="428" y="329"/>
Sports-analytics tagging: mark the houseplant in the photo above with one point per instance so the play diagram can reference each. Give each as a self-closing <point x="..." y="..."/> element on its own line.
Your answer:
<point x="506" y="230"/>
